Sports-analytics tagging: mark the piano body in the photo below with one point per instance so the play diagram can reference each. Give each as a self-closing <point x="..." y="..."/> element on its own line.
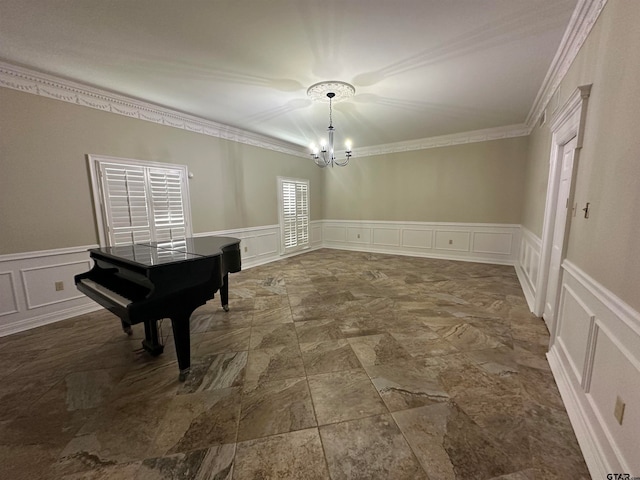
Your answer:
<point x="147" y="282"/>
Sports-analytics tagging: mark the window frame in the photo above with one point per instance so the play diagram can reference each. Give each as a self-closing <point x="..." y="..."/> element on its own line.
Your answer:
<point x="102" y="215"/>
<point x="284" y="249"/>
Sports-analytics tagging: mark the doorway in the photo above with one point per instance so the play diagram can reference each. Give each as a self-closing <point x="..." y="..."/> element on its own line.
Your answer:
<point x="563" y="209"/>
<point x="567" y="130"/>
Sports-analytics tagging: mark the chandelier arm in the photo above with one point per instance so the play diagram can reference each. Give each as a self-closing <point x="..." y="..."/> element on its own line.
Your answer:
<point x="321" y="161"/>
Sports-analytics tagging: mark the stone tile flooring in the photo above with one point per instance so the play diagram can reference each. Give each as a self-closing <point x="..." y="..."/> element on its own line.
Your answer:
<point x="330" y="364"/>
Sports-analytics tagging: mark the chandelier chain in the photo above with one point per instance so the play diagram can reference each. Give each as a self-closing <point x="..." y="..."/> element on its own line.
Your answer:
<point x="330" y="113"/>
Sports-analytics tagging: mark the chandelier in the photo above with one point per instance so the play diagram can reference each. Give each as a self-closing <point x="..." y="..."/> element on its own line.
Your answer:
<point x="330" y="92"/>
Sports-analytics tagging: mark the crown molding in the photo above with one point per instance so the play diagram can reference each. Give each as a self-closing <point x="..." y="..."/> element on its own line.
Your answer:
<point x="474" y="136"/>
<point x="26" y="80"/>
<point x="30" y="81"/>
<point x="582" y="21"/>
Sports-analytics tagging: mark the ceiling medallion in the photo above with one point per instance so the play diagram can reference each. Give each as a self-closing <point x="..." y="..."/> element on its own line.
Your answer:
<point x="341" y="90"/>
<point x="330" y="92"/>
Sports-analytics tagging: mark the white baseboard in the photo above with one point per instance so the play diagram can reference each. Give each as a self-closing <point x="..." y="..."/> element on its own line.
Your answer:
<point x="45" y="319"/>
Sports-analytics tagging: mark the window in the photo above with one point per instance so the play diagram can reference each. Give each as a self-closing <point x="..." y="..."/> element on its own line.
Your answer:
<point x="139" y="201"/>
<point x="293" y="198"/>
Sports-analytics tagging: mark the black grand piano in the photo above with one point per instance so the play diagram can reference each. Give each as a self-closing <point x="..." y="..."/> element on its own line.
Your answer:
<point x="147" y="282"/>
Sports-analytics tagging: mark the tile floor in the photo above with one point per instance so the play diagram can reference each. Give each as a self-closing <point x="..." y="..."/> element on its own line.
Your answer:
<point x="330" y="364"/>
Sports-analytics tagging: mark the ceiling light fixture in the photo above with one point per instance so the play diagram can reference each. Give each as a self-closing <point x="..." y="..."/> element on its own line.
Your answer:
<point x="331" y="92"/>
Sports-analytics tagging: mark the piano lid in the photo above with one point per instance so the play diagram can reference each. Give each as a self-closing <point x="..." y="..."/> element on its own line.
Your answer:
<point x="145" y="254"/>
<point x="161" y="253"/>
<point x="202" y="246"/>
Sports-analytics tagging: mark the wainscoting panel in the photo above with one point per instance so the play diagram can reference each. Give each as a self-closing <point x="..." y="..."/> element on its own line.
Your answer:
<point x="359" y="235"/>
<point x="452" y="240"/>
<point x="258" y="245"/>
<point x="414" y="238"/>
<point x="267" y="243"/>
<point x="488" y="243"/>
<point x="29" y="297"/>
<point x="248" y="249"/>
<point x="388" y="237"/>
<point x="8" y="298"/>
<point x="491" y="242"/>
<point x="316" y="235"/>
<point x="575" y="325"/>
<point x="595" y="359"/>
<point x="334" y="234"/>
<point x="39" y="283"/>
<point x="616" y="374"/>
<point x="527" y="264"/>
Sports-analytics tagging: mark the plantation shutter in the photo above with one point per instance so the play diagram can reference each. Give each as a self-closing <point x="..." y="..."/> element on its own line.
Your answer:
<point x="302" y="214"/>
<point x="125" y="200"/>
<point x="294" y="196"/>
<point x="167" y="205"/>
<point x="289" y="214"/>
<point x="142" y="201"/>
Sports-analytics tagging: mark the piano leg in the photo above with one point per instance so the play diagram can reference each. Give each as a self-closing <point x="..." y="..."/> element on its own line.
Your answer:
<point x="150" y="342"/>
<point x="180" y="325"/>
<point x="126" y="328"/>
<point x="224" y="293"/>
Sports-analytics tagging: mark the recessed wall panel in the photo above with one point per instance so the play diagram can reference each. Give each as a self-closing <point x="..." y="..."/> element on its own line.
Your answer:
<point x="267" y="244"/>
<point x="40" y="283"/>
<point x="386" y="236"/>
<point x="574" y="324"/>
<point x="491" y="242"/>
<point x="334" y="233"/>
<point x="358" y="235"/>
<point x="616" y="374"/>
<point x="453" y="240"/>
<point x="8" y="303"/>
<point x="417" y="238"/>
<point x="316" y="234"/>
<point x="248" y="248"/>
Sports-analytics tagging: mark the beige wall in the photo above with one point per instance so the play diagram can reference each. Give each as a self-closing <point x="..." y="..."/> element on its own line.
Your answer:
<point x="477" y="182"/>
<point x="607" y="245"/>
<point x="45" y="191"/>
<point x="537" y="177"/>
<point x="45" y="197"/>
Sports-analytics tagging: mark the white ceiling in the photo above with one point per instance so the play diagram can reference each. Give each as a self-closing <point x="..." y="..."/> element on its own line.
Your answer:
<point x="421" y="68"/>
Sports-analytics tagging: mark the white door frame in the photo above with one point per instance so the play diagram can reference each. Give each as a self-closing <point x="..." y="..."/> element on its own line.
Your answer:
<point x="567" y="123"/>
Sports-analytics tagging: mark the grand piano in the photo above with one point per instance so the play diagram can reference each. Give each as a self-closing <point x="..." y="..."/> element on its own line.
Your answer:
<point x="147" y="282"/>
